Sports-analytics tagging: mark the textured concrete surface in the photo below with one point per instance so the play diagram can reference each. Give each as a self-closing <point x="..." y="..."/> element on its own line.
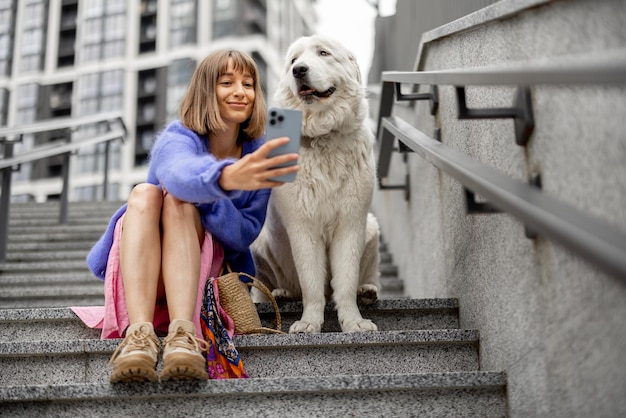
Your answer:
<point x="419" y="351"/>
<point x="466" y="395"/>
<point x="553" y="321"/>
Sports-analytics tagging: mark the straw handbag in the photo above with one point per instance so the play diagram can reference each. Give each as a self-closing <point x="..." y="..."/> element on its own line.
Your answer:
<point x="235" y="299"/>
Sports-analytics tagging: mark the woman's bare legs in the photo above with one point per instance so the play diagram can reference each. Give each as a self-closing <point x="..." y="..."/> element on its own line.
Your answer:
<point x="140" y="251"/>
<point x="183" y="357"/>
<point x="160" y="253"/>
<point x="140" y="259"/>
<point x="180" y="262"/>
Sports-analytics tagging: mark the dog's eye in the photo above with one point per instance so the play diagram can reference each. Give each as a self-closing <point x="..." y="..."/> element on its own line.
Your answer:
<point x="293" y="59"/>
<point x="324" y="53"/>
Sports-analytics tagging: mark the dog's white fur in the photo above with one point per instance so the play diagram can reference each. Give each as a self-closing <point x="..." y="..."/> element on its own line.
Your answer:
<point x="319" y="238"/>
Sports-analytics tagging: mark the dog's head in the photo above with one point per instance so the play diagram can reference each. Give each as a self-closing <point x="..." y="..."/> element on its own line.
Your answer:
<point x="321" y="77"/>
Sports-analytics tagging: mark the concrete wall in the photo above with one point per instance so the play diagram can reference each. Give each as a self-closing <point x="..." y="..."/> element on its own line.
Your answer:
<point x="412" y="18"/>
<point x="554" y="322"/>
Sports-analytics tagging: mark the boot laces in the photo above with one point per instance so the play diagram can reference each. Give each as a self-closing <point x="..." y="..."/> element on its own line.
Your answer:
<point x="140" y="340"/>
<point x="185" y="340"/>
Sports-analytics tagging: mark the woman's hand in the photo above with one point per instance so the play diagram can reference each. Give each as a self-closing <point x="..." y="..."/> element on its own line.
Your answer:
<point x="252" y="171"/>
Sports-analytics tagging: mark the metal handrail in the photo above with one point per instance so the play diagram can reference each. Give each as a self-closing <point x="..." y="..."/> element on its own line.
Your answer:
<point x="582" y="234"/>
<point x="601" y="71"/>
<point x="59" y="147"/>
<point x="61" y="123"/>
<point x="8" y="136"/>
<point x="591" y="239"/>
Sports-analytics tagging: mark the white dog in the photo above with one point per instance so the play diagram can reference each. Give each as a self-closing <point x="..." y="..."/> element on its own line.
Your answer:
<point x="318" y="238"/>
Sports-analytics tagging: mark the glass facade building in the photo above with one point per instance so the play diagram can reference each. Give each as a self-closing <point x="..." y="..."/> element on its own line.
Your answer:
<point x="75" y="58"/>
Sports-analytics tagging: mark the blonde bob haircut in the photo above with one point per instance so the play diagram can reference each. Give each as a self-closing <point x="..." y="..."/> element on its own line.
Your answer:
<point x="199" y="110"/>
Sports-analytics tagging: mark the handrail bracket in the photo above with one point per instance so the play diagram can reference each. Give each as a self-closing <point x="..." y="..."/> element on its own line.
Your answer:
<point x="521" y="112"/>
<point x="433" y="96"/>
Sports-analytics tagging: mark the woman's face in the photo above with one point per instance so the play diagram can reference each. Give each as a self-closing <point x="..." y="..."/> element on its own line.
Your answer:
<point x="235" y="95"/>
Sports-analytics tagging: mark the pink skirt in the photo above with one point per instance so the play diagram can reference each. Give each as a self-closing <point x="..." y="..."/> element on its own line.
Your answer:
<point x="113" y="319"/>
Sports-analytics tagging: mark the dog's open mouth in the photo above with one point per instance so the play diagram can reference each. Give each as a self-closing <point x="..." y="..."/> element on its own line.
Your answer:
<point x="306" y="91"/>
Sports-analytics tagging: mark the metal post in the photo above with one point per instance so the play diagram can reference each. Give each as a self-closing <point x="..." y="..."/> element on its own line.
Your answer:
<point x="5" y="199"/>
<point x="66" y="187"/>
<point x="105" y="186"/>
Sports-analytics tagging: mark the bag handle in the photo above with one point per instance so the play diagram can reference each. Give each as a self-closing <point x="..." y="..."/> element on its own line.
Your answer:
<point x="259" y="285"/>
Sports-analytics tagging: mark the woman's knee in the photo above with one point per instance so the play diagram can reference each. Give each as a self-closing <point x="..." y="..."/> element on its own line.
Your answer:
<point x="145" y="198"/>
<point x="177" y="210"/>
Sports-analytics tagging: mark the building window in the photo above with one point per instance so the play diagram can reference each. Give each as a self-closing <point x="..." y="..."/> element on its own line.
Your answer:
<point x="67" y="33"/>
<point x="179" y="73"/>
<point x="104" y="30"/>
<point x="26" y="101"/>
<point x="151" y="110"/>
<point x="55" y="100"/>
<point x="32" y="49"/>
<point x="224" y="18"/>
<point x="27" y="96"/>
<point x="99" y="92"/>
<point x="7" y="33"/>
<point x="239" y="17"/>
<point x="59" y="101"/>
<point x="183" y="17"/>
<point x="148" y="26"/>
<point x="262" y="67"/>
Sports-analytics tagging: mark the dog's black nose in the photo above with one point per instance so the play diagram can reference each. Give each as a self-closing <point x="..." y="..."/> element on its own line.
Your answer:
<point x="300" y="71"/>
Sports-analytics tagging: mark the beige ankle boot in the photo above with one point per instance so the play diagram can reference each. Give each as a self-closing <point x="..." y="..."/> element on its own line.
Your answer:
<point x="135" y="359"/>
<point x="183" y="353"/>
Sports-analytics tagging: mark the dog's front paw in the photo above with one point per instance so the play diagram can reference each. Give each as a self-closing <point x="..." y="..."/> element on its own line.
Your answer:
<point x="359" y="325"/>
<point x="282" y="295"/>
<point x="367" y="294"/>
<point x="303" y="327"/>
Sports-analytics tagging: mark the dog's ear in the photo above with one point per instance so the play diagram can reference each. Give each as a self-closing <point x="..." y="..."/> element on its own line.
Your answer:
<point x="355" y="67"/>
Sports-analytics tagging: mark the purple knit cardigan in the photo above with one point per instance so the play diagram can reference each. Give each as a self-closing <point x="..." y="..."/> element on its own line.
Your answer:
<point x="181" y="162"/>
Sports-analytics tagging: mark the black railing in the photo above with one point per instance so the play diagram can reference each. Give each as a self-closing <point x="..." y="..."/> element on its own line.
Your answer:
<point x="591" y="239"/>
<point x="65" y="147"/>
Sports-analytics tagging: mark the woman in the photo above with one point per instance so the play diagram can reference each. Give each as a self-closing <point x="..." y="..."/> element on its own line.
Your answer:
<point x="204" y="201"/>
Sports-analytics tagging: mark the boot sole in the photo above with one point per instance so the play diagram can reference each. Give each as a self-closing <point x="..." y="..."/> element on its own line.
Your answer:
<point x="134" y="368"/>
<point x="183" y="366"/>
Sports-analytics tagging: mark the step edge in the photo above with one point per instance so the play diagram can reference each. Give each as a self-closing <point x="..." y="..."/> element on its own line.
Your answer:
<point x="384" y="305"/>
<point x="258" y="342"/>
<point x="267" y="386"/>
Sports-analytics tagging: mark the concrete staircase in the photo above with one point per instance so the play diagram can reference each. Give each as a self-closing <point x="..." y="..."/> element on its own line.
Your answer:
<point x="419" y="363"/>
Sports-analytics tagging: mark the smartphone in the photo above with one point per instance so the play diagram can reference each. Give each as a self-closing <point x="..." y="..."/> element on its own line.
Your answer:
<point x="284" y="122"/>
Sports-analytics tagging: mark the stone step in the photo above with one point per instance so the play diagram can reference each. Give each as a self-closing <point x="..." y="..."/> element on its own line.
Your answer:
<point x="284" y="355"/>
<point x="88" y="292"/>
<point x="50" y="235"/>
<point x="82" y="276"/>
<point x="91" y="294"/>
<point x="393" y="284"/>
<point x="391" y="314"/>
<point x="11" y="267"/>
<point x="52" y="324"/>
<point x="36" y="256"/>
<point x="80" y="229"/>
<point x="16" y="279"/>
<point x="51" y="208"/>
<point x="387" y="270"/>
<point x="14" y="249"/>
<point x="41" y="222"/>
<point x="7" y="292"/>
<point x="425" y="395"/>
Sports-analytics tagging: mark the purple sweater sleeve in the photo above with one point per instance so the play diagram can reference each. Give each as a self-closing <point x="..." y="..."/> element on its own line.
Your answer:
<point x="236" y="223"/>
<point x="180" y="162"/>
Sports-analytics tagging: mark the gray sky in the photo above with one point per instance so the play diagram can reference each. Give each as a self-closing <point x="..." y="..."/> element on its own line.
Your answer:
<point x="352" y="23"/>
